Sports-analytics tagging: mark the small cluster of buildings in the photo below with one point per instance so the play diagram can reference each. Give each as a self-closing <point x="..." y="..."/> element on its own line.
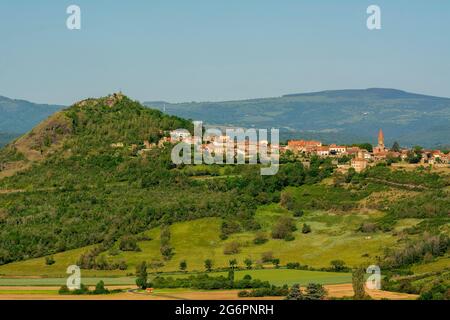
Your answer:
<point x="362" y="158"/>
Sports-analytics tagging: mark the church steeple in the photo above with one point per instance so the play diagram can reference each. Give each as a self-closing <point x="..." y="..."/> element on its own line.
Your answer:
<point x="381" y="138"/>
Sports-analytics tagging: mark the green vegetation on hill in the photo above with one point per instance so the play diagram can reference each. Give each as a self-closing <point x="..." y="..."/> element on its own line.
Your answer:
<point x="98" y="188"/>
<point x="91" y="195"/>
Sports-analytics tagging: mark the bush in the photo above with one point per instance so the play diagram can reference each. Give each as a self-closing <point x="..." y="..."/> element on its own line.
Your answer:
<point x="232" y="248"/>
<point x="273" y="291"/>
<point x="315" y="291"/>
<point x="206" y="282"/>
<point x="306" y="228"/>
<point x="260" y="238"/>
<point x="298" y="213"/>
<point x="267" y="256"/>
<point x="49" y="260"/>
<point x="289" y="237"/>
<point x="284" y="227"/>
<point x="338" y="265"/>
<point x="129" y="243"/>
<point x="296" y="265"/>
<point x="368" y="227"/>
<point x="228" y="228"/>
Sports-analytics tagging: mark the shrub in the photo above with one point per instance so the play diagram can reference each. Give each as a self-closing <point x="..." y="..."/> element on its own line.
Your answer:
<point x="232" y="248"/>
<point x="289" y="237"/>
<point x="296" y="265"/>
<point x="306" y="228"/>
<point x="49" y="260"/>
<point x="295" y="293"/>
<point x="183" y="265"/>
<point x="267" y="256"/>
<point x="208" y="265"/>
<point x="228" y="228"/>
<point x="166" y="251"/>
<point x="100" y="288"/>
<point x="129" y="243"/>
<point x="298" y="213"/>
<point x="368" y="227"/>
<point x="260" y="238"/>
<point x="315" y="291"/>
<point x="284" y="227"/>
<point x="338" y="265"/>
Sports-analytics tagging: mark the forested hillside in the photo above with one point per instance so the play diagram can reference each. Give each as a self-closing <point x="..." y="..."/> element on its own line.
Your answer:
<point x="82" y="180"/>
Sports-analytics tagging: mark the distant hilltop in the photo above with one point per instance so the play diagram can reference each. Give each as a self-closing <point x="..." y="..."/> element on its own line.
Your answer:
<point x="338" y="116"/>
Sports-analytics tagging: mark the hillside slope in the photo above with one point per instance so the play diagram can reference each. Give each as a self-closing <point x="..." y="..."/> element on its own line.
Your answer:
<point x="343" y="116"/>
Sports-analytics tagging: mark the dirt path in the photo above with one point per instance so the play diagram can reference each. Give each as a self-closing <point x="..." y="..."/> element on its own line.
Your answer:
<point x="396" y="184"/>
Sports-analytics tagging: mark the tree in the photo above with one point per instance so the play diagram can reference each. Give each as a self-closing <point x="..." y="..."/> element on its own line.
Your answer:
<point x="287" y="201"/>
<point x="295" y="293"/>
<point x="358" y="282"/>
<point x="166" y="251"/>
<point x="142" y="275"/>
<point x="208" y="265"/>
<point x="231" y="275"/>
<point x="396" y="147"/>
<point x="100" y="288"/>
<point x="233" y="263"/>
<point x="338" y="265"/>
<point x="129" y="243"/>
<point x="315" y="291"/>
<point x="248" y="262"/>
<point x="183" y="265"/>
<point x="366" y="146"/>
<point x="276" y="262"/>
<point x="283" y="228"/>
<point x="413" y="156"/>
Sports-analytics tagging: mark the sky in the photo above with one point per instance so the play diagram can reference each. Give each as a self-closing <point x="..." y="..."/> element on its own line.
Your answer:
<point x="209" y="50"/>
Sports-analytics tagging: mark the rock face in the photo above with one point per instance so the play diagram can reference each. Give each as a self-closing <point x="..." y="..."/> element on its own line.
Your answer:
<point x="110" y="100"/>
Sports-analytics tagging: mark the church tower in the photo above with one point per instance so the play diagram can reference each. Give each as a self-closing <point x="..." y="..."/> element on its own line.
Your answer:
<point x="380" y="150"/>
<point x="381" y="139"/>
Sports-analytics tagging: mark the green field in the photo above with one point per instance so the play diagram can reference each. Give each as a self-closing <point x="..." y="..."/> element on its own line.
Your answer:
<point x="334" y="236"/>
<point x="277" y="277"/>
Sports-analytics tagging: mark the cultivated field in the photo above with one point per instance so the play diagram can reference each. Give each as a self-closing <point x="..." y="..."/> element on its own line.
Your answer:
<point x="49" y="293"/>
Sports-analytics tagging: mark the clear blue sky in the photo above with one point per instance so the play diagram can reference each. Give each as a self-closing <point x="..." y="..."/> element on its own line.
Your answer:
<point x="219" y="50"/>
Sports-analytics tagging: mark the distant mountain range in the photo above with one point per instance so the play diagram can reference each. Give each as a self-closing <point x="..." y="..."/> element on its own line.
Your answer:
<point x="19" y="116"/>
<point x="341" y="116"/>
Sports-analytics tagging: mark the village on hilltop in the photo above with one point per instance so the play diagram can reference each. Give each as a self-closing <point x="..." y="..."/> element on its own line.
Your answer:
<point x="361" y="158"/>
<point x="358" y="157"/>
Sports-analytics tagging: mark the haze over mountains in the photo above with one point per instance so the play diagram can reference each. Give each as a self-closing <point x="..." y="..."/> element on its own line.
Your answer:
<point x="340" y="116"/>
<point x="19" y="116"/>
